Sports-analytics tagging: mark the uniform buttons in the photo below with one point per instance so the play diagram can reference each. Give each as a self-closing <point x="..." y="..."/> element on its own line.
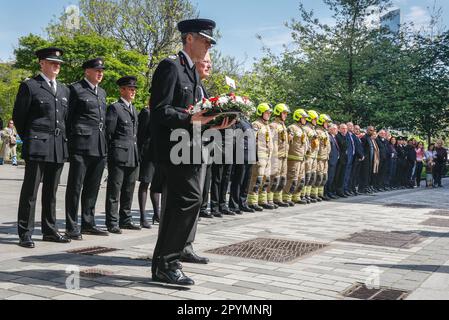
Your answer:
<point x="56" y="99"/>
<point x="57" y="121"/>
<point x="57" y="110"/>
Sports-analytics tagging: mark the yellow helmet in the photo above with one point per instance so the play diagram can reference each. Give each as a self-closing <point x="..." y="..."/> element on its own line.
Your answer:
<point x="312" y="115"/>
<point x="324" y="118"/>
<point x="281" y="108"/>
<point x="262" y="108"/>
<point x="300" y="113"/>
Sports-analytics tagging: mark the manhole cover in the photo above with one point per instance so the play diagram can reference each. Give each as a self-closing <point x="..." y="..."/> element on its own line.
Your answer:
<point x="273" y="250"/>
<point x="435" y="222"/>
<point x="362" y="292"/>
<point x="92" y="251"/>
<point x="406" y="205"/>
<point x="439" y="213"/>
<point x="95" y="273"/>
<point x="385" y="239"/>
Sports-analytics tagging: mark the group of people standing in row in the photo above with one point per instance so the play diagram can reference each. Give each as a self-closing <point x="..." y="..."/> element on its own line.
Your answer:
<point x="309" y="161"/>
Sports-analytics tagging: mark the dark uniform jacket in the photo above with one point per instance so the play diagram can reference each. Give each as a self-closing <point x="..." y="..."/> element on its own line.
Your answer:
<point x="334" y="155"/>
<point x="40" y="118"/>
<point x="359" y="154"/>
<point x="368" y="147"/>
<point x="175" y="87"/>
<point x="144" y="136"/>
<point x="242" y="143"/>
<point x="86" y="122"/>
<point x="343" y="145"/>
<point x="383" y="148"/>
<point x="121" y="133"/>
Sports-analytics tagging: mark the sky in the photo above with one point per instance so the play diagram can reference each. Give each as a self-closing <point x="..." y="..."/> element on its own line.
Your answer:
<point x="239" y="21"/>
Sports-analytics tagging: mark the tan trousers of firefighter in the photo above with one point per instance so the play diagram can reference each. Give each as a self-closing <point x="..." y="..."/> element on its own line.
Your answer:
<point x="295" y="181"/>
<point x="260" y="180"/>
<point x="278" y="180"/>
<point x="310" y="176"/>
<point x="321" y="176"/>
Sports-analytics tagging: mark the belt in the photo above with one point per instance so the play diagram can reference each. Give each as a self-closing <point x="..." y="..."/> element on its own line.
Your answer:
<point x="57" y="132"/>
<point x="101" y="126"/>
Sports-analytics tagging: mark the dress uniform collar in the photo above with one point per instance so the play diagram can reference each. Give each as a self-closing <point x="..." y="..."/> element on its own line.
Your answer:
<point x="47" y="80"/>
<point x="128" y="104"/>
<point x="189" y="60"/>
<point x="94" y="88"/>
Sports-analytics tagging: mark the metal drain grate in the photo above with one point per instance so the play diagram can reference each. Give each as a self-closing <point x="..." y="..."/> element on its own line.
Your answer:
<point x="272" y="250"/>
<point x="93" y="251"/>
<point x="406" y="205"/>
<point x="439" y="213"/>
<point x="435" y="222"/>
<point x="385" y="239"/>
<point x="95" y="273"/>
<point x="362" y="292"/>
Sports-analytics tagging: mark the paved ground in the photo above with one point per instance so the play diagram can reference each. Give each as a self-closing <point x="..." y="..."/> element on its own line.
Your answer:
<point x="422" y="269"/>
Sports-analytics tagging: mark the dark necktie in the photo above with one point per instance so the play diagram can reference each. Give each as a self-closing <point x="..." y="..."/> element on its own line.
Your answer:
<point x="53" y="87"/>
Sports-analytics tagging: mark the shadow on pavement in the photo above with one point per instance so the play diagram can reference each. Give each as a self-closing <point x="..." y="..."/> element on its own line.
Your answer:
<point x="411" y="267"/>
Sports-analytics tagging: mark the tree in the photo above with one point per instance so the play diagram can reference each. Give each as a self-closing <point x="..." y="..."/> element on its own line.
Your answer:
<point x="145" y="26"/>
<point x="10" y="79"/>
<point x="79" y="48"/>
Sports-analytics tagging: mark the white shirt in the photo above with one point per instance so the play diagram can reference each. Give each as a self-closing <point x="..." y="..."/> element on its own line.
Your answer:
<point x="94" y="88"/>
<point x="126" y="102"/>
<point x="48" y="81"/>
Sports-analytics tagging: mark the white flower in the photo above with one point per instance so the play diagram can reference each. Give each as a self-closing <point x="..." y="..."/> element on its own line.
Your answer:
<point x="207" y="105"/>
<point x="223" y="100"/>
<point x="239" y="99"/>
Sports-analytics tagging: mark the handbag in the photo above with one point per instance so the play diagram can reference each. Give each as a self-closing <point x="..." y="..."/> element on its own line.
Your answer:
<point x="12" y="141"/>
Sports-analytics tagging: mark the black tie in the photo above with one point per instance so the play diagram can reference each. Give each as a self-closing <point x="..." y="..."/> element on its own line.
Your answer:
<point x="52" y="86"/>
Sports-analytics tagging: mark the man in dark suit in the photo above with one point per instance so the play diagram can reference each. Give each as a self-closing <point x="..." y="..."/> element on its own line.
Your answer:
<point x="383" y="160"/>
<point x="359" y="157"/>
<point x="86" y="126"/>
<point x="350" y="138"/>
<point x="367" y="164"/>
<point x="177" y="85"/>
<point x="342" y="141"/>
<point x="123" y="158"/>
<point x="334" y="156"/>
<point x="40" y="114"/>
<point x="238" y="201"/>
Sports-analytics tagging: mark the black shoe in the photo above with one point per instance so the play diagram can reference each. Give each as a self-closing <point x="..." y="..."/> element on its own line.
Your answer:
<point x="115" y="230"/>
<point x="58" y="238"/>
<point x="282" y="204"/>
<point x="74" y="235"/>
<point x="326" y="198"/>
<point x="312" y="200"/>
<point x="193" y="258"/>
<point x="256" y="208"/>
<point x="217" y="214"/>
<point x="176" y="277"/>
<point x="94" y="231"/>
<point x="341" y="195"/>
<point x="227" y="212"/>
<point x="274" y="205"/>
<point x="237" y="211"/>
<point x="247" y="209"/>
<point x="291" y="203"/>
<point x="26" y="242"/>
<point x="156" y="219"/>
<point x="303" y="201"/>
<point x="268" y="207"/>
<point x="206" y="215"/>
<point x="317" y="199"/>
<point x="144" y="224"/>
<point x="130" y="226"/>
<point x="348" y="194"/>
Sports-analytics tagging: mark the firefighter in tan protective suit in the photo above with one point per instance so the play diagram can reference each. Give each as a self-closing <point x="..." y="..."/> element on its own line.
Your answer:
<point x="261" y="176"/>
<point x="308" y="193"/>
<point x="323" y="156"/>
<point x="299" y="145"/>
<point x="279" y="157"/>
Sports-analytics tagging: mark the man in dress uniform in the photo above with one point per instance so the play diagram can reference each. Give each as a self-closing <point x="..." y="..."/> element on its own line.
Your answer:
<point x="279" y="159"/>
<point x="260" y="179"/>
<point x="310" y="192"/>
<point x="123" y="157"/>
<point x="323" y="155"/>
<point x="299" y="143"/>
<point x="86" y="125"/>
<point x="177" y="85"/>
<point x="40" y="114"/>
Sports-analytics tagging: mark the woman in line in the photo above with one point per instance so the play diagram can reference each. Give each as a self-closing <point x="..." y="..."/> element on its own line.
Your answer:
<point x="420" y="157"/>
<point x="9" y="147"/>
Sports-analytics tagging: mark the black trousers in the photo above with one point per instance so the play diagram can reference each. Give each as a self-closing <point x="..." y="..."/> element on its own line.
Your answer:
<point x="381" y="175"/>
<point x="401" y="173"/>
<point x="120" y="191"/>
<point x="439" y="170"/>
<point x="355" y="175"/>
<point x="241" y="177"/>
<point x="330" y="185"/>
<point x="84" y="180"/>
<point x="418" y="172"/>
<point x="181" y="203"/>
<point x="221" y="176"/>
<point x="340" y="177"/>
<point x="49" y="174"/>
<point x="365" y="175"/>
<point x="206" y="190"/>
